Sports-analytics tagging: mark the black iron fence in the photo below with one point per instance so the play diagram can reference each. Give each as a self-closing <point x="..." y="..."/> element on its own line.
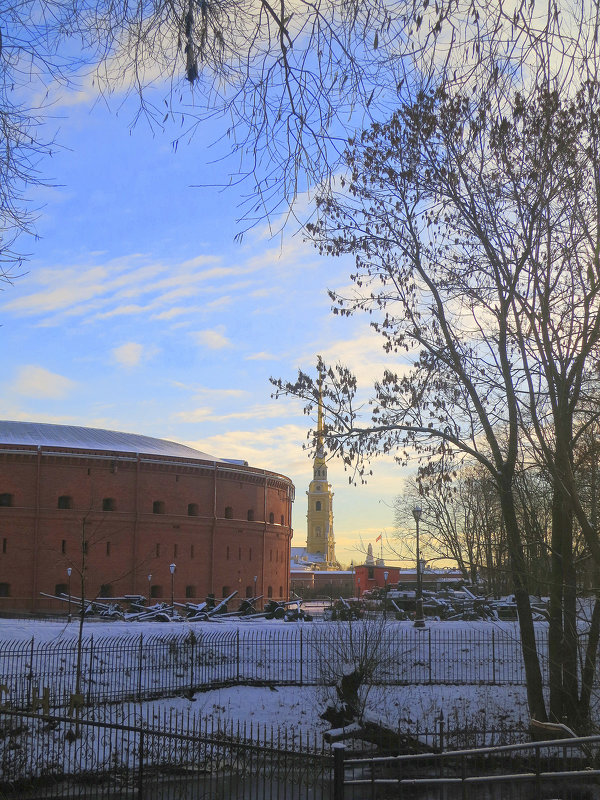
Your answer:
<point x="112" y="669"/>
<point x="172" y="758"/>
<point x="168" y="756"/>
<point x="568" y="769"/>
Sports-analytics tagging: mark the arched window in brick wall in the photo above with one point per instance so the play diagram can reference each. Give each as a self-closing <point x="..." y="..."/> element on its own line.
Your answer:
<point x="158" y="507"/>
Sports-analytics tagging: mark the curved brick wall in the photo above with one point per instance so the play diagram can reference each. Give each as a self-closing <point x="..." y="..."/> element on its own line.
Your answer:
<point x="124" y="516"/>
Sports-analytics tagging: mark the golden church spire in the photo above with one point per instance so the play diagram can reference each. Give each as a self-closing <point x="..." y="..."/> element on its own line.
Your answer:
<point x="319" y="462"/>
<point x="319" y="536"/>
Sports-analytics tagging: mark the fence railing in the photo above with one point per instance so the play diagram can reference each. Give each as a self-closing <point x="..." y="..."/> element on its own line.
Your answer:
<point x="568" y="769"/>
<point x="172" y="757"/>
<point x="112" y="669"/>
<point x="167" y="755"/>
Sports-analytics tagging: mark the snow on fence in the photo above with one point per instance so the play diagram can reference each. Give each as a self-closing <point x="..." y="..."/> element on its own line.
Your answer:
<point x="143" y="667"/>
<point x="150" y="755"/>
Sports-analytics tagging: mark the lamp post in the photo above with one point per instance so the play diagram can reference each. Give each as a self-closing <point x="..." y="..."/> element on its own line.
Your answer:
<point x="385" y="577"/>
<point x="172" y="567"/>
<point x="149" y="585"/>
<point x="358" y="579"/>
<point x="69" y="571"/>
<point x="419" y="621"/>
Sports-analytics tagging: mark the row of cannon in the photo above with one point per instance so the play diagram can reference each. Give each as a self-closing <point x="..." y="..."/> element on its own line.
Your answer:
<point x="135" y="608"/>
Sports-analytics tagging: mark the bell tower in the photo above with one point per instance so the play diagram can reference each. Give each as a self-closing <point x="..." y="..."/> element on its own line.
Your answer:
<point x="319" y="538"/>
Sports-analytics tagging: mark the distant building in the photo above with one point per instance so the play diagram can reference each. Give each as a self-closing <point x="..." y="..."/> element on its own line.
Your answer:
<point x="372" y="576"/>
<point x="310" y="583"/>
<point x="122" y="507"/>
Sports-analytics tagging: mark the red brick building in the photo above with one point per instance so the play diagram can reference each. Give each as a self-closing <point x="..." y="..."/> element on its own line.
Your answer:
<point x="119" y="509"/>
<point x="373" y="576"/>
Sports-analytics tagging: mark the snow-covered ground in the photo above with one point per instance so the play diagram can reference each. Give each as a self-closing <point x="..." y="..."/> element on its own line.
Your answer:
<point x="407" y="708"/>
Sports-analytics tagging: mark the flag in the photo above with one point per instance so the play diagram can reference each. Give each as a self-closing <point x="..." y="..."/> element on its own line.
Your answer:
<point x="378" y="538"/>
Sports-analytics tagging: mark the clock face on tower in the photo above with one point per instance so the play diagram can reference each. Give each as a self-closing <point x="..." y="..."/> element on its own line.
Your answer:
<point x="318" y="488"/>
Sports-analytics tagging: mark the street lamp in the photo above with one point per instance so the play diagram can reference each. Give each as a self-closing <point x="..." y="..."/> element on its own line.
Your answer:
<point x="149" y="585"/>
<point x="358" y="579"/>
<point x="69" y="571"/>
<point x="172" y="567"/>
<point x="385" y="577"/>
<point x="419" y="621"/>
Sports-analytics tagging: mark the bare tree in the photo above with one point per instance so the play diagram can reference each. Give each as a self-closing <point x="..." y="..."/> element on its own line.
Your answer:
<point x="290" y="81"/>
<point x="474" y="224"/>
<point x="461" y="521"/>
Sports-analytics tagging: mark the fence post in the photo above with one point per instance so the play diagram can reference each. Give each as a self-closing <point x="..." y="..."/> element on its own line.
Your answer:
<point x="192" y="653"/>
<point x="493" y="656"/>
<point x="430" y="666"/>
<point x="90" y="668"/>
<point x="538" y="769"/>
<point x="338" y="770"/>
<point x="30" y="680"/>
<point x="140" y="651"/>
<point x="141" y="767"/>
<point x="238" y="653"/>
<point x="301" y="655"/>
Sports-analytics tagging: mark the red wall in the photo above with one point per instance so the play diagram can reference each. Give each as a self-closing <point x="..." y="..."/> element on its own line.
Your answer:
<point x="38" y="541"/>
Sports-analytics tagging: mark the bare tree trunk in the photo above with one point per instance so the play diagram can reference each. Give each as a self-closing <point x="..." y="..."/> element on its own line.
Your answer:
<point x="571" y="641"/>
<point x="555" y="632"/>
<point x="533" y="674"/>
<point x="589" y="670"/>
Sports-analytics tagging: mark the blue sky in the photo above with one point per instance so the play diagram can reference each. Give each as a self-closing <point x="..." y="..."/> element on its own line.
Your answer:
<point x="139" y="312"/>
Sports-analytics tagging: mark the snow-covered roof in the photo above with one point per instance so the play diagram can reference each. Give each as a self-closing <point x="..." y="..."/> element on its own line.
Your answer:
<point x="74" y="436"/>
<point x="301" y="554"/>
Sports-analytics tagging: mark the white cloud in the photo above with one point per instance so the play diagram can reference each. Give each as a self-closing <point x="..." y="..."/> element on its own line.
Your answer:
<point x="128" y="354"/>
<point x="213" y="339"/>
<point x="219" y="302"/>
<point x="200" y="414"/>
<point x="77" y="289"/>
<point x="268" y="291"/>
<point x="35" y="381"/>
<point x="278" y="448"/>
<point x="262" y="356"/>
<point x="208" y="414"/>
<point x="214" y="395"/>
<point x="177" y="311"/>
